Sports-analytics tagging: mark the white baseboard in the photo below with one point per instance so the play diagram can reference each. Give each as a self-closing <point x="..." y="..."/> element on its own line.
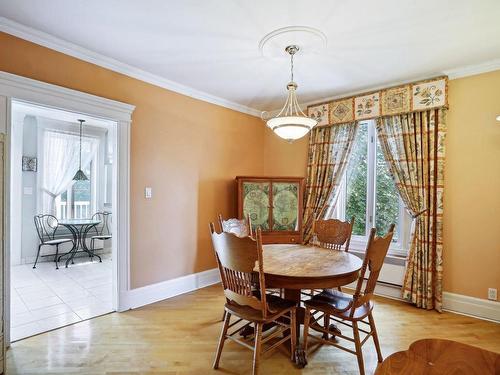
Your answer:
<point x="166" y="289"/>
<point x="471" y="306"/>
<point x="456" y="303"/>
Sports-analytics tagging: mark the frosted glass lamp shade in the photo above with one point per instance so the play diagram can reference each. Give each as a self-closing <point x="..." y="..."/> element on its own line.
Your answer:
<point x="291" y="127"/>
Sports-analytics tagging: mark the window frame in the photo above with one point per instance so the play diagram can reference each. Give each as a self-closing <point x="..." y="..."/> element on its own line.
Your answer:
<point x="97" y="177"/>
<point x="70" y="203"/>
<point x="398" y="247"/>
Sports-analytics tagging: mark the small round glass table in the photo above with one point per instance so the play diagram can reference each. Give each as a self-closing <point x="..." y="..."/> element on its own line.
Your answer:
<point x="79" y="229"/>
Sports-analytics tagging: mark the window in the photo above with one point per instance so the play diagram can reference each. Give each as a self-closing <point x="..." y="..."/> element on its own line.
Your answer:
<point x="77" y="202"/>
<point x="59" y="159"/>
<point x="369" y="194"/>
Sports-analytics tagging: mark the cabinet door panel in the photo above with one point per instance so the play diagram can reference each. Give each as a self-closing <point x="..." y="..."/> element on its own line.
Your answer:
<point x="256" y="203"/>
<point x="285" y="206"/>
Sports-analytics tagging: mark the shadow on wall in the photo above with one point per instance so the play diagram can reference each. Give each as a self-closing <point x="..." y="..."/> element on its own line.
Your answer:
<point x="214" y="197"/>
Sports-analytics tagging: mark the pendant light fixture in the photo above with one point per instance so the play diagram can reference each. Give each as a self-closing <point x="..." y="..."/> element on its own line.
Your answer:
<point x="79" y="175"/>
<point x="291" y="123"/>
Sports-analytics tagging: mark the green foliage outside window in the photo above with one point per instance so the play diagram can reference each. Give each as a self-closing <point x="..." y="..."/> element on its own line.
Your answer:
<point x="386" y="195"/>
<point x="357" y="182"/>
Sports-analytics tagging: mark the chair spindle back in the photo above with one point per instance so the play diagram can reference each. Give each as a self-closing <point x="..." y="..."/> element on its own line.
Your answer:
<point x="239" y="227"/>
<point x="376" y="250"/>
<point x="333" y="233"/>
<point x="236" y="259"/>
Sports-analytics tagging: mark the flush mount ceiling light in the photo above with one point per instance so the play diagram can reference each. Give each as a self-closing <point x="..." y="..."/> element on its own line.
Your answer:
<point x="291" y="123"/>
<point x="79" y="175"/>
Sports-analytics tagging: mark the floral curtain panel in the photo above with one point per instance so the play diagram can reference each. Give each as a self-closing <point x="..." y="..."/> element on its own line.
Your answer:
<point x="413" y="146"/>
<point x="329" y="150"/>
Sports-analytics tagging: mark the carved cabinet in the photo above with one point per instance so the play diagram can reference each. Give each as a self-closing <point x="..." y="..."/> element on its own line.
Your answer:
<point x="274" y="204"/>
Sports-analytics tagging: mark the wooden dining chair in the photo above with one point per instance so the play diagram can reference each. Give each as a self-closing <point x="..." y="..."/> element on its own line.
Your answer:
<point x="333" y="233"/>
<point x="237" y="259"/>
<point x="354" y="309"/>
<point x="239" y="227"/>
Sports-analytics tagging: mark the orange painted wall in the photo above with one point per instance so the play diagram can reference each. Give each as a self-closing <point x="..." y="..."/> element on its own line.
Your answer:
<point x="282" y="158"/>
<point x="472" y="183"/>
<point x="472" y="186"/>
<point x="187" y="150"/>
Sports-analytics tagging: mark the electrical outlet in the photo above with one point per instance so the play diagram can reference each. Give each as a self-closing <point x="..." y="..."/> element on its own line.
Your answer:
<point x="148" y="192"/>
<point x="492" y="294"/>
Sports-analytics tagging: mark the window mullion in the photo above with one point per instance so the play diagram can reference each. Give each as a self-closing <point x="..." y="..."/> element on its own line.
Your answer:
<point x="69" y="202"/>
<point x="371" y="176"/>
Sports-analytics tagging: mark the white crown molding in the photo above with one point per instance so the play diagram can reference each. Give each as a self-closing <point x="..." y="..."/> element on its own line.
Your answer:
<point x="39" y="37"/>
<point x="44" y="39"/>
<point x="455" y="73"/>
<point x="471" y="70"/>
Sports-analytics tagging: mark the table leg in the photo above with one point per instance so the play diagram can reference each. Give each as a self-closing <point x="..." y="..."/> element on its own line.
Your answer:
<point x="83" y="239"/>
<point x="72" y="252"/>
<point x="300" y="354"/>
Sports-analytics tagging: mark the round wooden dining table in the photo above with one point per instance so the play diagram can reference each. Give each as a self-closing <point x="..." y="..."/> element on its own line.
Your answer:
<point x="297" y="267"/>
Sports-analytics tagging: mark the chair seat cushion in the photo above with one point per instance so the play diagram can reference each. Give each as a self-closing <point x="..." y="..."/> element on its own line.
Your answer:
<point x="331" y="300"/>
<point x="277" y="306"/>
<point x="58" y="241"/>
<point x="103" y="237"/>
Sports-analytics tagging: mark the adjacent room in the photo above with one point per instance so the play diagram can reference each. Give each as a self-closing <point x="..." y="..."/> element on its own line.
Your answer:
<point x="266" y="187"/>
<point x="60" y="215"/>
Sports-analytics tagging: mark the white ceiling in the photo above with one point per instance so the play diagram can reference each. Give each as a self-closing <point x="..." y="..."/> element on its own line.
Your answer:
<point x="212" y="45"/>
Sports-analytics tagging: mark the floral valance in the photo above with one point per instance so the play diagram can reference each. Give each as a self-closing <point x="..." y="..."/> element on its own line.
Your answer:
<point x="411" y="97"/>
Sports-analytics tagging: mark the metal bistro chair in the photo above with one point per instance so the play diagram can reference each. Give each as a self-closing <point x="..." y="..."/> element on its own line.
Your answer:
<point x="344" y="308"/>
<point x="239" y="227"/>
<point x="237" y="258"/>
<point x="103" y="230"/>
<point x="46" y="227"/>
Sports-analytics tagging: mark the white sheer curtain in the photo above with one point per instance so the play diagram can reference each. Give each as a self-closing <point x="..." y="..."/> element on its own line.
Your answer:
<point x="59" y="163"/>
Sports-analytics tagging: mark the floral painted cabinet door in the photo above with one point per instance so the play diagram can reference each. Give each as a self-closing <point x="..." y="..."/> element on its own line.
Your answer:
<point x="274" y="204"/>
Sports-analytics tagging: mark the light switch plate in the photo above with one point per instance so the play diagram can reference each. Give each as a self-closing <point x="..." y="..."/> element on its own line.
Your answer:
<point x="148" y="192"/>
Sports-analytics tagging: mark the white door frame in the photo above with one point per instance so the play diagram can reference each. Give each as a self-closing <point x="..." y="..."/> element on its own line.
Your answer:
<point x="37" y="92"/>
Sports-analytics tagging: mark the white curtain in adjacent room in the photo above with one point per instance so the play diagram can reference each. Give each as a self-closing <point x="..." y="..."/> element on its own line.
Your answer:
<point x="59" y="163"/>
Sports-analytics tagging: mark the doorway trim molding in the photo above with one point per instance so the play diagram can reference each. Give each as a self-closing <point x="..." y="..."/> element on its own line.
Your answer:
<point x="32" y="91"/>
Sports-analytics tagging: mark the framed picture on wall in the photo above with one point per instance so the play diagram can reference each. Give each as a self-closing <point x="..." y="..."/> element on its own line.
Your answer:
<point x="29" y="164"/>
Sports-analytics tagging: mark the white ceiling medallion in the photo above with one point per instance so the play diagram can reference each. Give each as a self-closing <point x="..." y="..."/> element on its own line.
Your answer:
<point x="309" y="39"/>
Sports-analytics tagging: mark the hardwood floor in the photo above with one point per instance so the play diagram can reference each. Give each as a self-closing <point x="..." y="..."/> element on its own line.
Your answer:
<point x="179" y="336"/>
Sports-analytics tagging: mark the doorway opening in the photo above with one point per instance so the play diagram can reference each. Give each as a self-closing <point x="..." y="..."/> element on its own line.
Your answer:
<point x="62" y="258"/>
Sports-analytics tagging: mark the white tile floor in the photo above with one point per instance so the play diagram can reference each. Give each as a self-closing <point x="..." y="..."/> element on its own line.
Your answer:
<point x="45" y="298"/>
